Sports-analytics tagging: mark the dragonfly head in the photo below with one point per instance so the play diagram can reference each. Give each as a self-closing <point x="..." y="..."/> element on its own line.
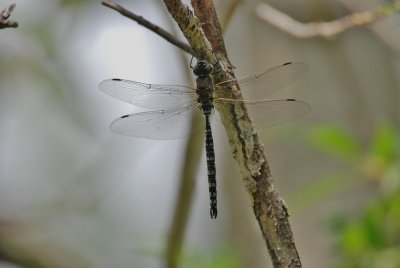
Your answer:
<point x="203" y="68"/>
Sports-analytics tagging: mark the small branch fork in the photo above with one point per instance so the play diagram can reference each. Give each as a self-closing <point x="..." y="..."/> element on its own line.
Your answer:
<point x="203" y="32"/>
<point x="286" y="23"/>
<point x="4" y="15"/>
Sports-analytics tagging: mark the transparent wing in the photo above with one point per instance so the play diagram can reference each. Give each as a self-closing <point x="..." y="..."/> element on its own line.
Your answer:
<point x="268" y="82"/>
<point x="148" y="95"/>
<point x="267" y="113"/>
<point x="157" y="125"/>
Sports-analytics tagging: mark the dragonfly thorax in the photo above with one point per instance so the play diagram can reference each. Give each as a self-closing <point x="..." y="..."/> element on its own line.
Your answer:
<point x="203" y="68"/>
<point x="204" y="84"/>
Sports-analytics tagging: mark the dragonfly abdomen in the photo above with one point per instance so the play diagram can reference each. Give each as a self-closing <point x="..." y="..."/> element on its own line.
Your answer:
<point x="204" y="92"/>
<point x="211" y="170"/>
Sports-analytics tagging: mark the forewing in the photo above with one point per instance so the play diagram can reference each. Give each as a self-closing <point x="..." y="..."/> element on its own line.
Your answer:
<point x="268" y="82"/>
<point x="157" y="125"/>
<point x="267" y="113"/>
<point x="149" y="96"/>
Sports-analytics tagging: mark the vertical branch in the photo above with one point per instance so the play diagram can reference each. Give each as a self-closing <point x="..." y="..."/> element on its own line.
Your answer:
<point x="269" y="209"/>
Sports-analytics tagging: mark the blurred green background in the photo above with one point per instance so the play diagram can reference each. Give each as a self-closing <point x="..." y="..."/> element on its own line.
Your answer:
<point x="73" y="194"/>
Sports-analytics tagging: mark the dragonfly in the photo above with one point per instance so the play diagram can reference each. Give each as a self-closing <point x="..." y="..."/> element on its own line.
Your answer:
<point x="171" y="107"/>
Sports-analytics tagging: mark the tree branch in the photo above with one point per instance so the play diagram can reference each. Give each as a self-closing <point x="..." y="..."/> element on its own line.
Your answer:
<point x="4" y="15"/>
<point x="147" y="24"/>
<point x="270" y="210"/>
<point x="323" y="29"/>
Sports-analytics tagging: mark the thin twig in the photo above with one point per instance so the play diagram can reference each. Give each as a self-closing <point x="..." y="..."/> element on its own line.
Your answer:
<point x="142" y="21"/>
<point x="4" y="15"/>
<point x="324" y="29"/>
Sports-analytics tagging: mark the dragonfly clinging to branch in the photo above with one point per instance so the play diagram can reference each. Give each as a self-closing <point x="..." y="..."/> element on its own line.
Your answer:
<point x="173" y="106"/>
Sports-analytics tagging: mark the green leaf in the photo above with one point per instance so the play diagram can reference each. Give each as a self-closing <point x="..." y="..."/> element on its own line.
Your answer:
<point x="384" y="141"/>
<point x="372" y="239"/>
<point x="335" y="141"/>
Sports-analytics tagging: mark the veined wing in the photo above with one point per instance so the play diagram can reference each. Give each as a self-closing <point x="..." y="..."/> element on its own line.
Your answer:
<point x="149" y="96"/>
<point x="157" y="125"/>
<point x="268" y="82"/>
<point x="267" y="113"/>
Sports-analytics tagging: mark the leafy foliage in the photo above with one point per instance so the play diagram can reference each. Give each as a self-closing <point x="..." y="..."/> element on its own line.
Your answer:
<point x="378" y="160"/>
<point x="373" y="238"/>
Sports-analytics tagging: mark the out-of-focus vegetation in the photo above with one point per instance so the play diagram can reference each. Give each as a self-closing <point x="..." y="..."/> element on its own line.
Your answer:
<point x="369" y="238"/>
<point x="74" y="195"/>
<point x="219" y="258"/>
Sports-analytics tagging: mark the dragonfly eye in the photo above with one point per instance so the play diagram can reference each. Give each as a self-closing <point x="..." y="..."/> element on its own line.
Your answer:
<point x="209" y="68"/>
<point x="202" y="68"/>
